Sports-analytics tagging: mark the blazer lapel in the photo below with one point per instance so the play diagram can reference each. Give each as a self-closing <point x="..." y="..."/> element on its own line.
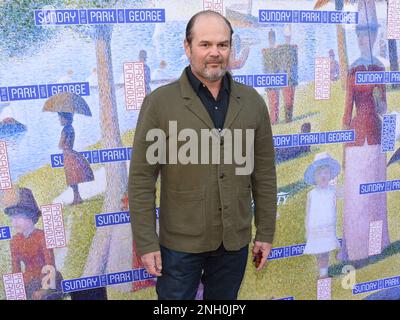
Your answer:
<point x="193" y="102"/>
<point x="234" y="104"/>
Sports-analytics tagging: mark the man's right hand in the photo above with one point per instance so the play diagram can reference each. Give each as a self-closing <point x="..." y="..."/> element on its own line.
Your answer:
<point x="152" y="263"/>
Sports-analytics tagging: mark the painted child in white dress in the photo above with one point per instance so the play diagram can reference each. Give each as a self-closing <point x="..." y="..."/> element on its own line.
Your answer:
<point x="320" y="219"/>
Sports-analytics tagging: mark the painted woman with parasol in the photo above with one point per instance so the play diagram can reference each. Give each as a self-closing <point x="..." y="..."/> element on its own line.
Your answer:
<point x="363" y="159"/>
<point x="77" y="168"/>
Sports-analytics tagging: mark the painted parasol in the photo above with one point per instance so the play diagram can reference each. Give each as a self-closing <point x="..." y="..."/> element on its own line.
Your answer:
<point x="67" y="102"/>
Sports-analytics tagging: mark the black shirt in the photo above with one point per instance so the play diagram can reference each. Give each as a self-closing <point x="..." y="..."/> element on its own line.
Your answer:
<point x="217" y="109"/>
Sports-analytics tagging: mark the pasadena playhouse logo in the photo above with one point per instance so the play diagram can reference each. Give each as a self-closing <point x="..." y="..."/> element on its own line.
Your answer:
<point x="230" y="141"/>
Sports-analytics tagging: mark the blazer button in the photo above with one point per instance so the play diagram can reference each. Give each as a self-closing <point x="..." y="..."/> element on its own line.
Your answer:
<point x="222" y="141"/>
<point x="222" y="175"/>
<point x="219" y="209"/>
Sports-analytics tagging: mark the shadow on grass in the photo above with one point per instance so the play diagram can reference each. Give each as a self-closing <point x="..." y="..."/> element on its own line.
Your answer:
<point x="295" y="187"/>
<point x="393" y="248"/>
<point x="292" y="188"/>
<point x="305" y="115"/>
<point x="386" y="294"/>
<point x="392" y="87"/>
<point x="301" y="117"/>
<point x="281" y="159"/>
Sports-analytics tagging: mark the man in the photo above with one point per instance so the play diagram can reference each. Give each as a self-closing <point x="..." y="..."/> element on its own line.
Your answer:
<point x="147" y="72"/>
<point x="239" y="54"/>
<point x="271" y="65"/>
<point x="205" y="209"/>
<point x="289" y="64"/>
<point x="334" y="66"/>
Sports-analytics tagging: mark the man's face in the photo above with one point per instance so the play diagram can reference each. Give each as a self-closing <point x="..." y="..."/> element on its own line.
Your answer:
<point x="210" y="49"/>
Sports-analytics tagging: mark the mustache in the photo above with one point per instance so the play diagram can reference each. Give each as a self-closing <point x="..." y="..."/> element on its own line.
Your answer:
<point x="214" y="61"/>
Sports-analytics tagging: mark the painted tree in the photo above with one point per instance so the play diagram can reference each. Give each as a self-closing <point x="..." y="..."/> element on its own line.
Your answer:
<point x="18" y="34"/>
<point x="111" y="247"/>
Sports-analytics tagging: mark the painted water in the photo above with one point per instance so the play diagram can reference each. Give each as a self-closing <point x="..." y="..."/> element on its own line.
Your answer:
<point x="71" y="58"/>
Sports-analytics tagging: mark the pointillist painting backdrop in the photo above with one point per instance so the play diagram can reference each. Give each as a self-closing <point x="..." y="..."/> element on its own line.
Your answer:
<point x="72" y="77"/>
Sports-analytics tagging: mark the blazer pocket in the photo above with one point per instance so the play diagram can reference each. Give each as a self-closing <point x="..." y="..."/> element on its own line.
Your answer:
<point x="185" y="212"/>
<point x="244" y="214"/>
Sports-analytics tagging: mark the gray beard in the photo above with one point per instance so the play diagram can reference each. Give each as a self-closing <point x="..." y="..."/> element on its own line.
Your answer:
<point x="215" y="76"/>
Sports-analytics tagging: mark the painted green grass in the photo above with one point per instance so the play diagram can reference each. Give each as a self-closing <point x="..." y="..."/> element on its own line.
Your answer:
<point x="295" y="276"/>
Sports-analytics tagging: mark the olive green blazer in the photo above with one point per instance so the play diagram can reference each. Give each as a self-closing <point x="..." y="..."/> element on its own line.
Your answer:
<point x="201" y="205"/>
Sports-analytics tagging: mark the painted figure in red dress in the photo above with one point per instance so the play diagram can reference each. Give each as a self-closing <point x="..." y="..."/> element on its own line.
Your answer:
<point x="363" y="159"/>
<point x="29" y="253"/>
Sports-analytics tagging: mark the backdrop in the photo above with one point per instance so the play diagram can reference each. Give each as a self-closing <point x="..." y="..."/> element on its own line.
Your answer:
<point x="73" y="76"/>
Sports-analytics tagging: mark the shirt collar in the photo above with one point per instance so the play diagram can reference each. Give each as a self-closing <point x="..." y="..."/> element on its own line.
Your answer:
<point x="197" y="84"/>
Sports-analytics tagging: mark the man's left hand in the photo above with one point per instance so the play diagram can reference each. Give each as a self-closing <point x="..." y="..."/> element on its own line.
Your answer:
<point x="264" y="248"/>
